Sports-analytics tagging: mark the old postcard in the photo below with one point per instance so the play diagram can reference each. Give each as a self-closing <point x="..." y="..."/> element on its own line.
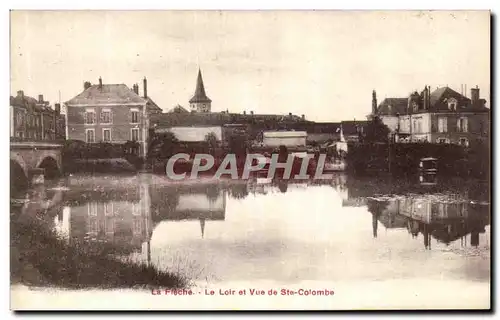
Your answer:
<point x="250" y="160"/>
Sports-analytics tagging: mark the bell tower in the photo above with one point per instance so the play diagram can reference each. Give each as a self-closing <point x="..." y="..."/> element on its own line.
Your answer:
<point x="200" y="102"/>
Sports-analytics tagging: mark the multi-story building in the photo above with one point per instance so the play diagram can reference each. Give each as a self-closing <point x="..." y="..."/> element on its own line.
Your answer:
<point x="441" y="116"/>
<point x="35" y="119"/>
<point x="111" y="113"/>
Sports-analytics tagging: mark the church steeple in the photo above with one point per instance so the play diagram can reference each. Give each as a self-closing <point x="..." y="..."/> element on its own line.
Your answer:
<point x="200" y="102"/>
<point x="202" y="225"/>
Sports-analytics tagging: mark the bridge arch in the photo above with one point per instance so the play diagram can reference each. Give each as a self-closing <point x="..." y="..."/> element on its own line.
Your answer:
<point x="51" y="167"/>
<point x="18" y="178"/>
<point x="18" y="159"/>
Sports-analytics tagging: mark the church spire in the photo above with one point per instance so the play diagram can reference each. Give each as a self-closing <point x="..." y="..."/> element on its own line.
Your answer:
<point x="202" y="225"/>
<point x="199" y="94"/>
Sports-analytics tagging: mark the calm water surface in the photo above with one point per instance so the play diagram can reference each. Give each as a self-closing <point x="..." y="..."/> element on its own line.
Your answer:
<point x="259" y="231"/>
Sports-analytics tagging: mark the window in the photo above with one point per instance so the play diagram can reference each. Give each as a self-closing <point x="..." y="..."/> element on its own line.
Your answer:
<point x="92" y="208"/>
<point x="20" y="134"/>
<point x="90" y="135"/>
<point x="464" y="142"/>
<point x="106" y="116"/>
<point x="93" y="228"/>
<point x="462" y="125"/>
<point x="19" y="118"/>
<point x="135" y="116"/>
<point x="108" y="208"/>
<point x="137" y="226"/>
<point x="442" y="140"/>
<point x="452" y="104"/>
<point x="136" y="209"/>
<point x="134" y="136"/>
<point x="90" y="116"/>
<point x="442" y="124"/>
<point x="106" y="135"/>
<point x="109" y="225"/>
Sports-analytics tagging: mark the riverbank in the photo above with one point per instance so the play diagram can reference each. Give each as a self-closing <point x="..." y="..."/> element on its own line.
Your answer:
<point x="40" y="258"/>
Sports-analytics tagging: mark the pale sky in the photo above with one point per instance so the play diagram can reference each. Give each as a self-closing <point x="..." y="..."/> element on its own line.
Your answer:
<point x="323" y="64"/>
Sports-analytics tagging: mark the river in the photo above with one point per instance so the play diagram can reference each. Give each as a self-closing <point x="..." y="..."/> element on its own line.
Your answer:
<point x="376" y="244"/>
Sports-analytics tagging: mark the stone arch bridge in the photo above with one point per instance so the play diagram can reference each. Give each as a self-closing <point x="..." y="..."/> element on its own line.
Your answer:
<point x="31" y="162"/>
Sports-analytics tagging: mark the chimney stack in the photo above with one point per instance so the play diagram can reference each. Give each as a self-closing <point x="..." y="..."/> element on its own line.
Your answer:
<point x="426" y="98"/>
<point x="135" y="88"/>
<point x="474" y="95"/>
<point x="20" y="93"/>
<point x="86" y="85"/>
<point x="57" y="108"/>
<point x="303" y="117"/>
<point x="290" y="114"/>
<point x="40" y="98"/>
<point x="251" y="112"/>
<point x="374" y="102"/>
<point x="100" y="83"/>
<point x="244" y="112"/>
<point x="145" y="83"/>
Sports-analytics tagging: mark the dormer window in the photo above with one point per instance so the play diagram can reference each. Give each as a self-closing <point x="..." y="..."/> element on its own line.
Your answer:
<point x="452" y="104"/>
<point x="415" y="106"/>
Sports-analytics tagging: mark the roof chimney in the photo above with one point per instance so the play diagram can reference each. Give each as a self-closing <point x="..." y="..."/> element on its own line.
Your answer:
<point x="86" y="85"/>
<point x="426" y="98"/>
<point x="57" y="108"/>
<point x="135" y="87"/>
<point x="374" y="102"/>
<point x="20" y="93"/>
<point x="474" y="95"/>
<point x="251" y="112"/>
<point x="100" y="83"/>
<point x="244" y="112"/>
<point x="290" y="114"/>
<point x="40" y="98"/>
<point x="303" y="117"/>
<point x="145" y="81"/>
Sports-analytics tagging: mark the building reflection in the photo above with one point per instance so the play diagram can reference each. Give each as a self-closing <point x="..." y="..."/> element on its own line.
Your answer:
<point x="444" y="221"/>
<point x="190" y="202"/>
<point x="120" y="216"/>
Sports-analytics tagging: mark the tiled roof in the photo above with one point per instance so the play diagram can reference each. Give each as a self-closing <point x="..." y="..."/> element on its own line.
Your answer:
<point x="30" y="102"/>
<point x="152" y="106"/>
<point x="319" y="127"/>
<point x="212" y="118"/>
<point x="438" y="93"/>
<point x="179" y="109"/>
<point x="107" y="94"/>
<point x="351" y="127"/>
<point x="393" y="106"/>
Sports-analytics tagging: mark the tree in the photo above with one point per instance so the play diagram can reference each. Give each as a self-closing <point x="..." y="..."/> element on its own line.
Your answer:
<point x="162" y="146"/>
<point x="376" y="131"/>
<point x="211" y="140"/>
<point x="238" y="143"/>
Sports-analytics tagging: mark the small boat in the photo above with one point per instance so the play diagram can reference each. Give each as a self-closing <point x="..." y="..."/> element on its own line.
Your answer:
<point x="331" y="166"/>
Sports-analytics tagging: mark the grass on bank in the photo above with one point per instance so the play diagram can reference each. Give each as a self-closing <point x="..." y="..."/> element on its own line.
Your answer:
<point x="40" y="258"/>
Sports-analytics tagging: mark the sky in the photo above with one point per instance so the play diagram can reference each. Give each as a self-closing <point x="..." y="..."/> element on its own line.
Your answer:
<point x="323" y="64"/>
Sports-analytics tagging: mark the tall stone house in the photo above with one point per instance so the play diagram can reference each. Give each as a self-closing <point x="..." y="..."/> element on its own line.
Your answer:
<point x="440" y="116"/>
<point x="34" y="119"/>
<point x="111" y="113"/>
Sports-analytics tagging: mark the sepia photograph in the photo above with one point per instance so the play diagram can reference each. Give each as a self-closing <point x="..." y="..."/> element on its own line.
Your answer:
<point x="180" y="160"/>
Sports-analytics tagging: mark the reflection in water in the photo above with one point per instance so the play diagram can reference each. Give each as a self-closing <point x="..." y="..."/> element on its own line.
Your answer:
<point x="444" y="221"/>
<point x="270" y="229"/>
